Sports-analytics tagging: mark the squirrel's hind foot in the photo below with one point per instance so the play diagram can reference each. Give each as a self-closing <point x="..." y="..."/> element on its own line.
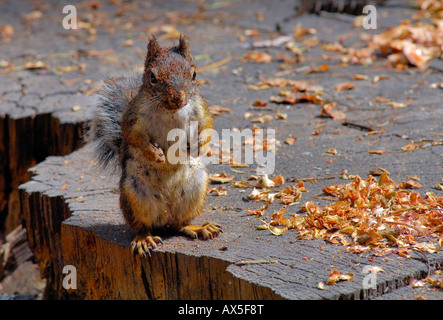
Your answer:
<point x="142" y="245"/>
<point x="207" y="230"/>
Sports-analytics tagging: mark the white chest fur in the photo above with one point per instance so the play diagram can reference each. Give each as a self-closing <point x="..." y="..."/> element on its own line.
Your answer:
<point x="166" y="121"/>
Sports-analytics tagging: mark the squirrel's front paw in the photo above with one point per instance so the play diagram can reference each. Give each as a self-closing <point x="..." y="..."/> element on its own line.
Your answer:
<point x="159" y="155"/>
<point x="154" y="153"/>
<point x="142" y="245"/>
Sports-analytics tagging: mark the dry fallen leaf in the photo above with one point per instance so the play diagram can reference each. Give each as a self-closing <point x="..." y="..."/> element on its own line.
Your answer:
<point x="282" y="116"/>
<point x="4" y="64"/>
<point x="169" y="31"/>
<point x="321" y="286"/>
<point x="418" y="283"/>
<point x="277" y="42"/>
<point x="7" y="31"/>
<point x="412" y="146"/>
<point x="258" y="87"/>
<point x="36" y="65"/>
<point x="220" y="178"/>
<point x="336" y="276"/>
<point x="248" y="115"/>
<point x="277" y="231"/>
<point x="328" y="109"/>
<point x="358" y="21"/>
<point x="265" y="182"/>
<point x="128" y="43"/>
<point x="374" y="269"/>
<point x="343" y="86"/>
<point x="292" y="99"/>
<point x="220" y="191"/>
<point x="418" y="55"/>
<point x="414" y="177"/>
<point x="411" y="184"/>
<point x="380" y="77"/>
<point x="296" y="85"/>
<point x="317" y="69"/>
<point x="289" y="59"/>
<point x="217" y="110"/>
<point x="258" y="56"/>
<point x="279" y="180"/>
<point x="32" y="17"/>
<point x="259" y="103"/>
<point x="290" y="141"/>
<point x="382" y="99"/>
<point x="241" y="184"/>
<point x="396" y="105"/>
<point x="66" y="68"/>
<point x="300" y="31"/>
<point x="263" y="119"/>
<point x="376" y="151"/>
<point x="259" y="212"/>
<point x="360" y="77"/>
<point x="436" y="283"/>
<point x="330" y="152"/>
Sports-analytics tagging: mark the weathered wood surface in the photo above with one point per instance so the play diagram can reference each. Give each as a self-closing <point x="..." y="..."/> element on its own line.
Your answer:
<point x="36" y="120"/>
<point x="72" y="216"/>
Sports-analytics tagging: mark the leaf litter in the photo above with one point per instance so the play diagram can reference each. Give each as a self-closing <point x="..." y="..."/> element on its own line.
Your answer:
<point x="368" y="215"/>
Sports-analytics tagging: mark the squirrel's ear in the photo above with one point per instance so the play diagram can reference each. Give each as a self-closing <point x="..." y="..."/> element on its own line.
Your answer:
<point x="184" y="48"/>
<point x="153" y="50"/>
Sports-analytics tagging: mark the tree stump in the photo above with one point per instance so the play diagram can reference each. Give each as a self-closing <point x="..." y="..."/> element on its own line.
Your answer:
<point x="36" y="120"/>
<point x="71" y="212"/>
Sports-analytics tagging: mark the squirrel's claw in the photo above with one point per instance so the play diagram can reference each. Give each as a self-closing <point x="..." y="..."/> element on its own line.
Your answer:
<point x="143" y="245"/>
<point x="154" y="153"/>
<point x="159" y="155"/>
<point x="207" y="230"/>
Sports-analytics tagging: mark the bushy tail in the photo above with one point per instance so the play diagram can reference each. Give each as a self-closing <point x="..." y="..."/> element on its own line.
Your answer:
<point x="105" y="128"/>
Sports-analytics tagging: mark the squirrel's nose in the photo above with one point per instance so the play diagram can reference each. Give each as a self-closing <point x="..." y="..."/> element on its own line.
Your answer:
<point x="178" y="99"/>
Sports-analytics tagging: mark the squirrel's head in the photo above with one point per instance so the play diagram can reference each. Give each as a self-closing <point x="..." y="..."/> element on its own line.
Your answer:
<point x="170" y="75"/>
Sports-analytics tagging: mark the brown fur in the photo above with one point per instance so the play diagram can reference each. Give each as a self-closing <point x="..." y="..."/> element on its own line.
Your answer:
<point x="153" y="192"/>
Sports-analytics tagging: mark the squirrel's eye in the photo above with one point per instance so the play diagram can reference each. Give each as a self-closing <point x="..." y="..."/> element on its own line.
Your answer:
<point x="194" y="75"/>
<point x="153" y="78"/>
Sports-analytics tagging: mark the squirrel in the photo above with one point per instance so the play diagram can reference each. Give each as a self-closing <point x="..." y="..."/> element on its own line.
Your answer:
<point x="133" y="116"/>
